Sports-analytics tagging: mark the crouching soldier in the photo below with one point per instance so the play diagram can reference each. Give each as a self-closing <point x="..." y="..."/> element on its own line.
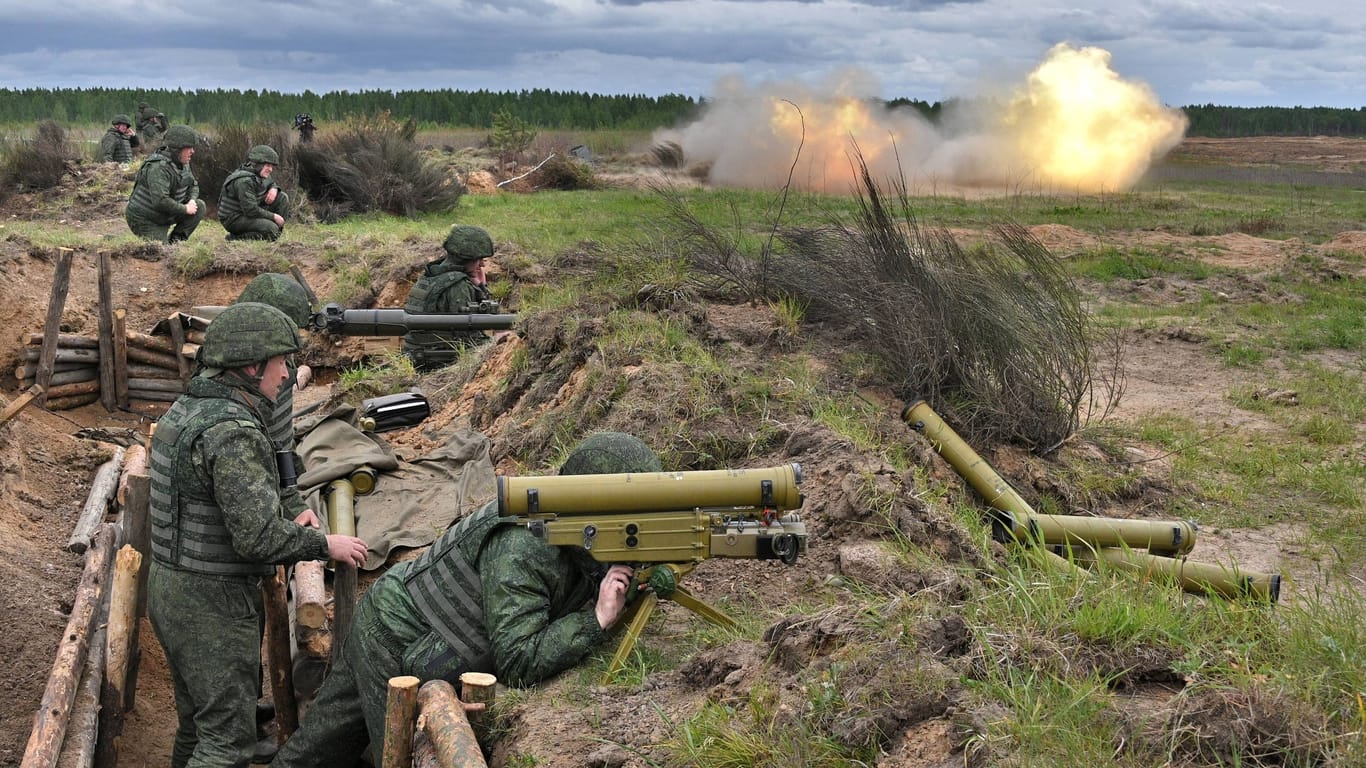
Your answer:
<point x="118" y="142"/>
<point x="166" y="193"/>
<point x="251" y="207"/>
<point x="451" y="285"/>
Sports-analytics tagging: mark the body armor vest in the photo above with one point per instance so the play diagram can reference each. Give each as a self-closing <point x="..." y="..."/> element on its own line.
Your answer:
<point x="144" y="201"/>
<point x="229" y="207"/>
<point x="188" y="531"/>
<point x="445" y="586"/>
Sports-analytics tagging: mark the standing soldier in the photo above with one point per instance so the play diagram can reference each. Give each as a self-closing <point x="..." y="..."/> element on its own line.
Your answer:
<point x="217" y="532"/>
<point x="166" y="193"/>
<point x="451" y="285"/>
<point x="250" y="206"/>
<point x="303" y="123"/>
<point x="118" y="142"/>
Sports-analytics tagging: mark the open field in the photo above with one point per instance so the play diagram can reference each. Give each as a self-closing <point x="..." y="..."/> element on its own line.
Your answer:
<point x="1236" y="275"/>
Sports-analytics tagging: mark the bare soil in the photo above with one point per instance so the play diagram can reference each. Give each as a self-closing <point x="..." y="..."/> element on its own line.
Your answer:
<point x="47" y="460"/>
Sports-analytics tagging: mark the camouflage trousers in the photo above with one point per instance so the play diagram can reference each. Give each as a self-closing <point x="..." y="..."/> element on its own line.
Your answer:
<point x="243" y="228"/>
<point x="154" y="228"/>
<point x="210" y="628"/>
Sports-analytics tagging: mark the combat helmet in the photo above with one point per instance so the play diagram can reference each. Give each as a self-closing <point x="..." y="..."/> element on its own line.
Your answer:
<point x="610" y="453"/>
<point x="180" y="137"/>
<point x="279" y="291"/>
<point x="263" y="154"/>
<point x="247" y="333"/>
<point x="466" y="243"/>
<point x="121" y="120"/>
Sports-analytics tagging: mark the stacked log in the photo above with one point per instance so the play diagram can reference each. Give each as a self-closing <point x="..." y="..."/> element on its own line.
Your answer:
<point x="75" y="369"/>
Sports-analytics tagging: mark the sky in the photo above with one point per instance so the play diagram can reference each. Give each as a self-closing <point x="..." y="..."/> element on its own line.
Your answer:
<point x="1226" y="52"/>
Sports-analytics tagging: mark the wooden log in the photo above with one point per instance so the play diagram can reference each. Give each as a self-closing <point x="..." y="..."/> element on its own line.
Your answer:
<point x="123" y="619"/>
<point x="444" y="722"/>
<point x="72" y="401"/>
<point x="478" y="688"/>
<point x="305" y="375"/>
<point x="67" y="340"/>
<point x="54" y="712"/>
<point x="120" y="334"/>
<point x="56" y="303"/>
<point x="29" y="370"/>
<point x="151" y="357"/>
<point x="194" y="336"/>
<point x="78" y="388"/>
<point x="178" y="339"/>
<point x="13" y="409"/>
<point x="278" y="659"/>
<point x="80" y="744"/>
<point x="310" y="594"/>
<point x="73" y="376"/>
<point x="145" y="371"/>
<point x="424" y="755"/>
<point x="203" y="314"/>
<point x="400" y="716"/>
<point x="137" y="527"/>
<point x="134" y="463"/>
<point x="154" y="396"/>
<point x="63" y="355"/>
<point x="108" y="397"/>
<point x="102" y="489"/>
<point x="157" y="385"/>
<point x="164" y="344"/>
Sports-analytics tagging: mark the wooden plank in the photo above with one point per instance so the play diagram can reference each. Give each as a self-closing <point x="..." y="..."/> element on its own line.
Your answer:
<point x="157" y="385"/>
<point x="102" y="490"/>
<point x="56" y="303"/>
<point x="105" y="310"/>
<point x="73" y="376"/>
<point x="278" y="659"/>
<point x="15" y="407"/>
<point x="400" y="716"/>
<point x="120" y="357"/>
<point x="68" y="340"/>
<point x="137" y="527"/>
<point x="178" y="337"/>
<point x="71" y="401"/>
<point x="62" y="355"/>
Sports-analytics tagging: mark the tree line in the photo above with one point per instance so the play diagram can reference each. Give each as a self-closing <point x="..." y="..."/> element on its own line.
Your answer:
<point x="542" y="109"/>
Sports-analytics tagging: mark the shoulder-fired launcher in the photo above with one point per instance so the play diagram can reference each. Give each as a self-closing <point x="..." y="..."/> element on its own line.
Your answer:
<point x="396" y="322"/>
<point x="664" y="517"/>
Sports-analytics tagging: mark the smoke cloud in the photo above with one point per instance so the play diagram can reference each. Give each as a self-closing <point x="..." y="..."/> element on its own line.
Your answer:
<point x="1072" y="125"/>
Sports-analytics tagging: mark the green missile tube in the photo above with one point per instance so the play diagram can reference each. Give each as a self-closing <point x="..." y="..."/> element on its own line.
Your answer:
<point x="638" y="492"/>
<point x="1197" y="578"/>
<point x="1022" y="523"/>
<point x="341" y="507"/>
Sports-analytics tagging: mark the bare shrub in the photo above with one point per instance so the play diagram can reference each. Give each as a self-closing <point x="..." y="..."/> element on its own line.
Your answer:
<point x="668" y="154"/>
<point x="36" y="163"/>
<point x="372" y="165"/>
<point x="226" y="151"/>
<point x="995" y="337"/>
<point x="564" y="173"/>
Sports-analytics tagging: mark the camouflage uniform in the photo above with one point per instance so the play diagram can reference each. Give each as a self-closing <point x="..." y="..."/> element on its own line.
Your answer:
<point x="115" y="146"/>
<point x="151" y="124"/>
<point x="162" y="189"/>
<point x="242" y="207"/>
<point x="216" y="532"/>
<point x="486" y="597"/>
<point x="445" y="288"/>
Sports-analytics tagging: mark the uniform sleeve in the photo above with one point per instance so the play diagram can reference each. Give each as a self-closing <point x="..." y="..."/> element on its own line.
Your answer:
<point x="107" y="146"/>
<point x="240" y="463"/>
<point x="249" y="198"/>
<point x="525" y="585"/>
<point x="194" y="186"/>
<point x="160" y="180"/>
<point x="456" y="298"/>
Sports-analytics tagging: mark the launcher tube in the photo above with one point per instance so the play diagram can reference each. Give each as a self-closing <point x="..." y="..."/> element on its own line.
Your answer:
<point x="1197" y="578"/>
<point x="639" y="492"/>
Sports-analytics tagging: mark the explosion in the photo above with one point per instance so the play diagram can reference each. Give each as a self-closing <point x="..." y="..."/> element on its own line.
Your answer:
<point x="1073" y="124"/>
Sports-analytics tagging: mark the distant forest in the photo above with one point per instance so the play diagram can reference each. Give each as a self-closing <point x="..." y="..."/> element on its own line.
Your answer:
<point x="540" y="108"/>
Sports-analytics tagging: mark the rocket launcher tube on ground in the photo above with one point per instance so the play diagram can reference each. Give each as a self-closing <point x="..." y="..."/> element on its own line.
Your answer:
<point x="1196" y="578"/>
<point x="773" y="487"/>
<point x="1026" y="525"/>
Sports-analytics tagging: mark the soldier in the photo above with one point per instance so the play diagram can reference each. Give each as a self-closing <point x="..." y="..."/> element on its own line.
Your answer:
<point x="303" y="123"/>
<point x="151" y="125"/>
<point x="165" y="193"/>
<point x="119" y="141"/>
<point x="485" y="597"/>
<point x="451" y="285"/>
<point x="217" y="531"/>
<point x="251" y="207"/>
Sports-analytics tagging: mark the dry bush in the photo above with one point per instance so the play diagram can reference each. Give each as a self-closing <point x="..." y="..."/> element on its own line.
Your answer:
<point x="372" y="165"/>
<point x="226" y="151"/>
<point x="668" y="154"/>
<point x="36" y="163"/>
<point x="564" y="173"/>
<point x="994" y="337"/>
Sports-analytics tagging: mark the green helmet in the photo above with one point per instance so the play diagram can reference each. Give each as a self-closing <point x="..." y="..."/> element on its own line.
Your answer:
<point x="279" y="291"/>
<point x="608" y="453"/>
<point x="263" y="154"/>
<point x="247" y="333"/>
<point x="468" y="243"/>
<point x="121" y="120"/>
<point x="180" y="137"/>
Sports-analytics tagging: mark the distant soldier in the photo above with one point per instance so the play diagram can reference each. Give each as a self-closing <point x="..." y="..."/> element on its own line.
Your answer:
<point x="303" y="123"/>
<point x="451" y="285"/>
<point x="119" y="141"/>
<point x="152" y="124"/>
<point x="250" y="206"/>
<point x="166" y="193"/>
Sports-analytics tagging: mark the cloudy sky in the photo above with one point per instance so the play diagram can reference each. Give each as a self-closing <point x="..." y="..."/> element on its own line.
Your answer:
<point x="1232" y="52"/>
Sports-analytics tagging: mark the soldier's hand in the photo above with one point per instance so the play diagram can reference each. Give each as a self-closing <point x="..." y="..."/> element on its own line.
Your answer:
<point x="612" y="595"/>
<point x="279" y="220"/>
<point x="346" y="549"/>
<point x="270" y="197"/>
<point x="309" y="519"/>
<point x="192" y="207"/>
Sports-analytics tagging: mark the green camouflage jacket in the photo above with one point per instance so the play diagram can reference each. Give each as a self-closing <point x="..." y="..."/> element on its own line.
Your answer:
<point x="162" y="188"/>
<point x="244" y="192"/>
<point x="443" y="289"/>
<point x="115" y="147"/>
